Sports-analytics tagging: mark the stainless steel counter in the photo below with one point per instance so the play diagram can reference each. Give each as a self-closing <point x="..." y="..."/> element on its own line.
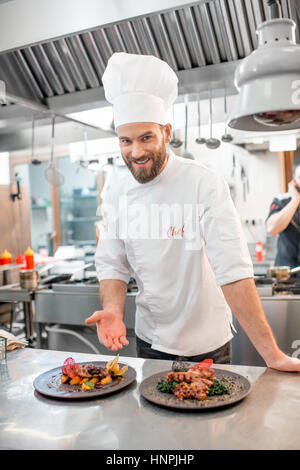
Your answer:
<point x="266" y="419"/>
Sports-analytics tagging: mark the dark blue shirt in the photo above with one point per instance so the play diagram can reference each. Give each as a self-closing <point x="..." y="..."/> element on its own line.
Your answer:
<point x="288" y="245"/>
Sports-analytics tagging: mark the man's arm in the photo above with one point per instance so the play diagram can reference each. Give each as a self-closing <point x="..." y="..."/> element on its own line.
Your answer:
<point x="244" y="301"/>
<point x="110" y="326"/>
<point x="279" y="221"/>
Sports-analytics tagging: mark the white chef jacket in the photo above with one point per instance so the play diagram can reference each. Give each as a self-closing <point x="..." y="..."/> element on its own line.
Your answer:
<point x="180" y="307"/>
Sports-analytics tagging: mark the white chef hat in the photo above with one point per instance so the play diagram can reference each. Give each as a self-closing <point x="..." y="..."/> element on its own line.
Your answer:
<point x="140" y="87"/>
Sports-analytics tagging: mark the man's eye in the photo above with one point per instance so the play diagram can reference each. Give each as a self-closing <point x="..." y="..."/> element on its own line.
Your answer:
<point x="147" y="137"/>
<point x="125" y="141"/>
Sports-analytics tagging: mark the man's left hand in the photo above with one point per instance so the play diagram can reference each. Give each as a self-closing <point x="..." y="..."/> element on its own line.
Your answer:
<point x="285" y="363"/>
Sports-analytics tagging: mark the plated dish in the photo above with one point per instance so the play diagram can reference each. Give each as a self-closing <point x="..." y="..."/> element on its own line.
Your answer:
<point x="197" y="387"/>
<point x="84" y="380"/>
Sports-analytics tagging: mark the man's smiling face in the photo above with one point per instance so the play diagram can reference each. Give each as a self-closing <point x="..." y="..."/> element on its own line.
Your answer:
<point x="143" y="148"/>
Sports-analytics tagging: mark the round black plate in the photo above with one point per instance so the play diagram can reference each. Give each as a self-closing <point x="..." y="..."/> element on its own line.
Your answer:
<point x="49" y="384"/>
<point x="238" y="386"/>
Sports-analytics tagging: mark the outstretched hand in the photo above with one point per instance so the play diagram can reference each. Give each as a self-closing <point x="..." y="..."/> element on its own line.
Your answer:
<point x="111" y="329"/>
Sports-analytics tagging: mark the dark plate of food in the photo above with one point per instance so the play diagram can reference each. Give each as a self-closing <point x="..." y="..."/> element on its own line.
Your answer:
<point x="200" y="387"/>
<point x="85" y="379"/>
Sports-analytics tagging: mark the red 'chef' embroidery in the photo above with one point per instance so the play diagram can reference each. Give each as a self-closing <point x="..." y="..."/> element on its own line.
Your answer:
<point x="175" y="232"/>
<point x="274" y="206"/>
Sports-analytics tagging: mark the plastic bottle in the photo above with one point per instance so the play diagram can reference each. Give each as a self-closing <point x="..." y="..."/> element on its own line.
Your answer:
<point x="20" y="260"/>
<point x="6" y="257"/>
<point x="259" y="252"/>
<point x="29" y="257"/>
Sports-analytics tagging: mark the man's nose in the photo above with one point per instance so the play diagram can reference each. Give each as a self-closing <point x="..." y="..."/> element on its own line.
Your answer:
<point x="137" y="150"/>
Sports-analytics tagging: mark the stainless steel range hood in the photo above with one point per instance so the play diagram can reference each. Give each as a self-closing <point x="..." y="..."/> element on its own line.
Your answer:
<point x="54" y="53"/>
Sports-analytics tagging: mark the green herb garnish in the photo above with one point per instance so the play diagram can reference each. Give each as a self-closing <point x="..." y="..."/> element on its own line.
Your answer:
<point x="218" y="388"/>
<point x="166" y="387"/>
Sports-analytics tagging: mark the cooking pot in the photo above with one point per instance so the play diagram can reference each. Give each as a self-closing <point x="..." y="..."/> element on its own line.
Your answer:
<point x="282" y="273"/>
<point x="30" y="278"/>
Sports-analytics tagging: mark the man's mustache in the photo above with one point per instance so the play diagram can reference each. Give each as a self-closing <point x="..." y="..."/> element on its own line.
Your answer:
<point x="134" y="160"/>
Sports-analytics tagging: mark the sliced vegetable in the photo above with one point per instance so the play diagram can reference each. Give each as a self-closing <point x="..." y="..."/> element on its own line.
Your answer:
<point x="94" y="380"/>
<point x="76" y="380"/>
<point x="64" y="379"/>
<point x="106" y="380"/>
<point x="206" y="364"/>
<point x="88" y="385"/>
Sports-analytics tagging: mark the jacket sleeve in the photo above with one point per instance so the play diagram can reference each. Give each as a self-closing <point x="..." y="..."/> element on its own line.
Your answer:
<point x="224" y="239"/>
<point x="110" y="258"/>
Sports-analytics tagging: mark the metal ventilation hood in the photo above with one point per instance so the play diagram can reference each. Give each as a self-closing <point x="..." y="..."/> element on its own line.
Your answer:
<point x="55" y="53"/>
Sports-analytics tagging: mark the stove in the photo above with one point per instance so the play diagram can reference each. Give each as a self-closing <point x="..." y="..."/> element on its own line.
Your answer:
<point x="268" y="287"/>
<point x="89" y="285"/>
<point x="290" y="287"/>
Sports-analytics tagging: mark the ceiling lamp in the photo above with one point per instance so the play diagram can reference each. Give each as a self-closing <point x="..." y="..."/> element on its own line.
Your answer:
<point x="268" y="80"/>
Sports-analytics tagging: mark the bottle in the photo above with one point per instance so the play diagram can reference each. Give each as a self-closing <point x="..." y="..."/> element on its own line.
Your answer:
<point x="259" y="252"/>
<point x="29" y="257"/>
<point x="6" y="257"/>
<point x="20" y="260"/>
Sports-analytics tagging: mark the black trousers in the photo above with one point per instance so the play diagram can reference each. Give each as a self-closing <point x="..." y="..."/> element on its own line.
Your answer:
<point x="222" y="355"/>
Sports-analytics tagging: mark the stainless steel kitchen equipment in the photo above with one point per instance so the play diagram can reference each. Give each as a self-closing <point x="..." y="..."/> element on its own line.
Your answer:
<point x="211" y="143"/>
<point x="227" y="138"/>
<point x="51" y="173"/>
<point x="281" y="303"/>
<point x="59" y="277"/>
<point x="14" y="294"/>
<point x="199" y="140"/>
<point x="60" y="312"/>
<point x="175" y="142"/>
<point x="185" y="153"/>
<point x="29" y="278"/>
<point x="283" y="315"/>
<point x="282" y="272"/>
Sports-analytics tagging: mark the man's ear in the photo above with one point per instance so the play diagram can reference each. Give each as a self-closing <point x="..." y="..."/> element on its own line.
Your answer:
<point x="168" y="132"/>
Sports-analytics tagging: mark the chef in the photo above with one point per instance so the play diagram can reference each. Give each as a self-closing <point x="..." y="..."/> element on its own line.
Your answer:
<point x="284" y="220"/>
<point x="170" y="223"/>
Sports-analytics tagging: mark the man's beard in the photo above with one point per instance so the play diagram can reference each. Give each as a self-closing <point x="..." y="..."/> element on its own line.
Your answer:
<point x="144" y="175"/>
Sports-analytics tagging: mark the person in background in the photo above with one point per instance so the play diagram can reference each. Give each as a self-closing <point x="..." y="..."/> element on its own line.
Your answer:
<point x="284" y="220"/>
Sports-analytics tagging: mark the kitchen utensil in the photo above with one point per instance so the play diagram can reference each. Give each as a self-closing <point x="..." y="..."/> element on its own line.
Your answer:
<point x="238" y="385"/>
<point x="29" y="279"/>
<point x="211" y="143"/>
<point x="49" y="384"/>
<point x="226" y="137"/>
<point x="282" y="273"/>
<point x="185" y="153"/>
<point x="175" y="143"/>
<point x="55" y="278"/>
<point x="199" y="139"/>
<point x="34" y="161"/>
<point x="233" y="167"/>
<point x="52" y="174"/>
